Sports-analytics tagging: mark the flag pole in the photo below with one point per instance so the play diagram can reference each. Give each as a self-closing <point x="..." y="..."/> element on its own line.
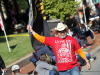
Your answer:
<point x="7" y="40"/>
<point x="3" y="29"/>
<point x="84" y="15"/>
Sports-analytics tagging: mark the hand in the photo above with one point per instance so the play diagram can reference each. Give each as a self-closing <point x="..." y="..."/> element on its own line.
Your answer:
<point x="5" y="70"/>
<point x="92" y="4"/>
<point x="29" y="28"/>
<point x="57" y="72"/>
<point x="88" y="65"/>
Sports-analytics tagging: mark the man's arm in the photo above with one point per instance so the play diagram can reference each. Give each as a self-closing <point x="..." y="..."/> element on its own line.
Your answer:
<point x="37" y="36"/>
<point x="50" y="67"/>
<point x="82" y="54"/>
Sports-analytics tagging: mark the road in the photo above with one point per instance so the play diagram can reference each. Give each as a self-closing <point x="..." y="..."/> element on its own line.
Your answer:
<point x="95" y="70"/>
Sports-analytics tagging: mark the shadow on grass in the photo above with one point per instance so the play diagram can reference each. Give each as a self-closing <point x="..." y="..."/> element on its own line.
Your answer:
<point x="12" y="47"/>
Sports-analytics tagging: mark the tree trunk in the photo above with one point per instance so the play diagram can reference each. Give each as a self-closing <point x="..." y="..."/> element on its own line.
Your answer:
<point x="17" y="11"/>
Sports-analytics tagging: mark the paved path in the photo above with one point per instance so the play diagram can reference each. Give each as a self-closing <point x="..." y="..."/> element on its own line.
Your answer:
<point x="30" y="67"/>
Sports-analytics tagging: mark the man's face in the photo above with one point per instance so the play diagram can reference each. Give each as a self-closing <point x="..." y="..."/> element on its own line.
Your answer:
<point x="62" y="34"/>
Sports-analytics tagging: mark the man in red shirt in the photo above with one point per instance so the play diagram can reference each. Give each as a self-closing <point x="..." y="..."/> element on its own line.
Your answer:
<point x="64" y="48"/>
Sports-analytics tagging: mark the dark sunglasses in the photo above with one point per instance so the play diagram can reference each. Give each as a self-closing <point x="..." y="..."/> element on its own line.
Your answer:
<point x="62" y="31"/>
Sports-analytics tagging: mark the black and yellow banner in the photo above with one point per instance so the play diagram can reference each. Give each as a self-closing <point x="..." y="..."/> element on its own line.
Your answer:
<point x="39" y="23"/>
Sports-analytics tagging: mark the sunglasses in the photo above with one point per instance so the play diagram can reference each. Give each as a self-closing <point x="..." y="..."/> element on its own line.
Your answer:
<point x="62" y="31"/>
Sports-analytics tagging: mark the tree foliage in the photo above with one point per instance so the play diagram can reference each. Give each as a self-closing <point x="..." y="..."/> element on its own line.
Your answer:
<point x="23" y="4"/>
<point x="60" y="8"/>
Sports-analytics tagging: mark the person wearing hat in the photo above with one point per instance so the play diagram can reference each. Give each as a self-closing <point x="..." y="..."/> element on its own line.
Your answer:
<point x="16" y="70"/>
<point x="64" y="48"/>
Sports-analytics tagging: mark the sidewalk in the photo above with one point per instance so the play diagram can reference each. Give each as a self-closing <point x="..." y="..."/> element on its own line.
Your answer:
<point x="93" y="51"/>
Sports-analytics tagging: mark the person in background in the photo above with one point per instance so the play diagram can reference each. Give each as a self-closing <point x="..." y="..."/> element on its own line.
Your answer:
<point x="16" y="70"/>
<point x="97" y="6"/>
<point x="96" y="3"/>
<point x="43" y="68"/>
<point x="2" y="66"/>
<point x="87" y="13"/>
<point x="64" y="48"/>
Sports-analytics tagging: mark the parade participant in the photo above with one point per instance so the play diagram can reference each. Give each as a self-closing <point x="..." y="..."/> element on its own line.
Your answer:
<point x="64" y="48"/>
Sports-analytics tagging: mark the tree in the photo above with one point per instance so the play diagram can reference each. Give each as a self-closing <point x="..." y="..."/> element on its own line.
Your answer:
<point x="23" y="4"/>
<point x="60" y="8"/>
<point x="18" y="5"/>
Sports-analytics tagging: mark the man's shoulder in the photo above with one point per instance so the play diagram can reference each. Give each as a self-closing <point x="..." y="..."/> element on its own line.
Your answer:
<point x="51" y="38"/>
<point x="70" y="37"/>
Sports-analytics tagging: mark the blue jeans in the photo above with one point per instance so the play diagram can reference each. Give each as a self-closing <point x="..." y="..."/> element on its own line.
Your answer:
<point x="89" y="33"/>
<point x="53" y="59"/>
<point x="73" y="71"/>
<point x="43" y="50"/>
<point x="33" y="60"/>
<point x="46" y="50"/>
<point x="51" y="72"/>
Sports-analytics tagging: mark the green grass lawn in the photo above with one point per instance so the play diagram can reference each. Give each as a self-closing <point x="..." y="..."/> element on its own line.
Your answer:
<point x="20" y="46"/>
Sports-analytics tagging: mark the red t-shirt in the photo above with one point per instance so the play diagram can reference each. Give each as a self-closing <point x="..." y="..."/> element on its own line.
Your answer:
<point x="64" y="50"/>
